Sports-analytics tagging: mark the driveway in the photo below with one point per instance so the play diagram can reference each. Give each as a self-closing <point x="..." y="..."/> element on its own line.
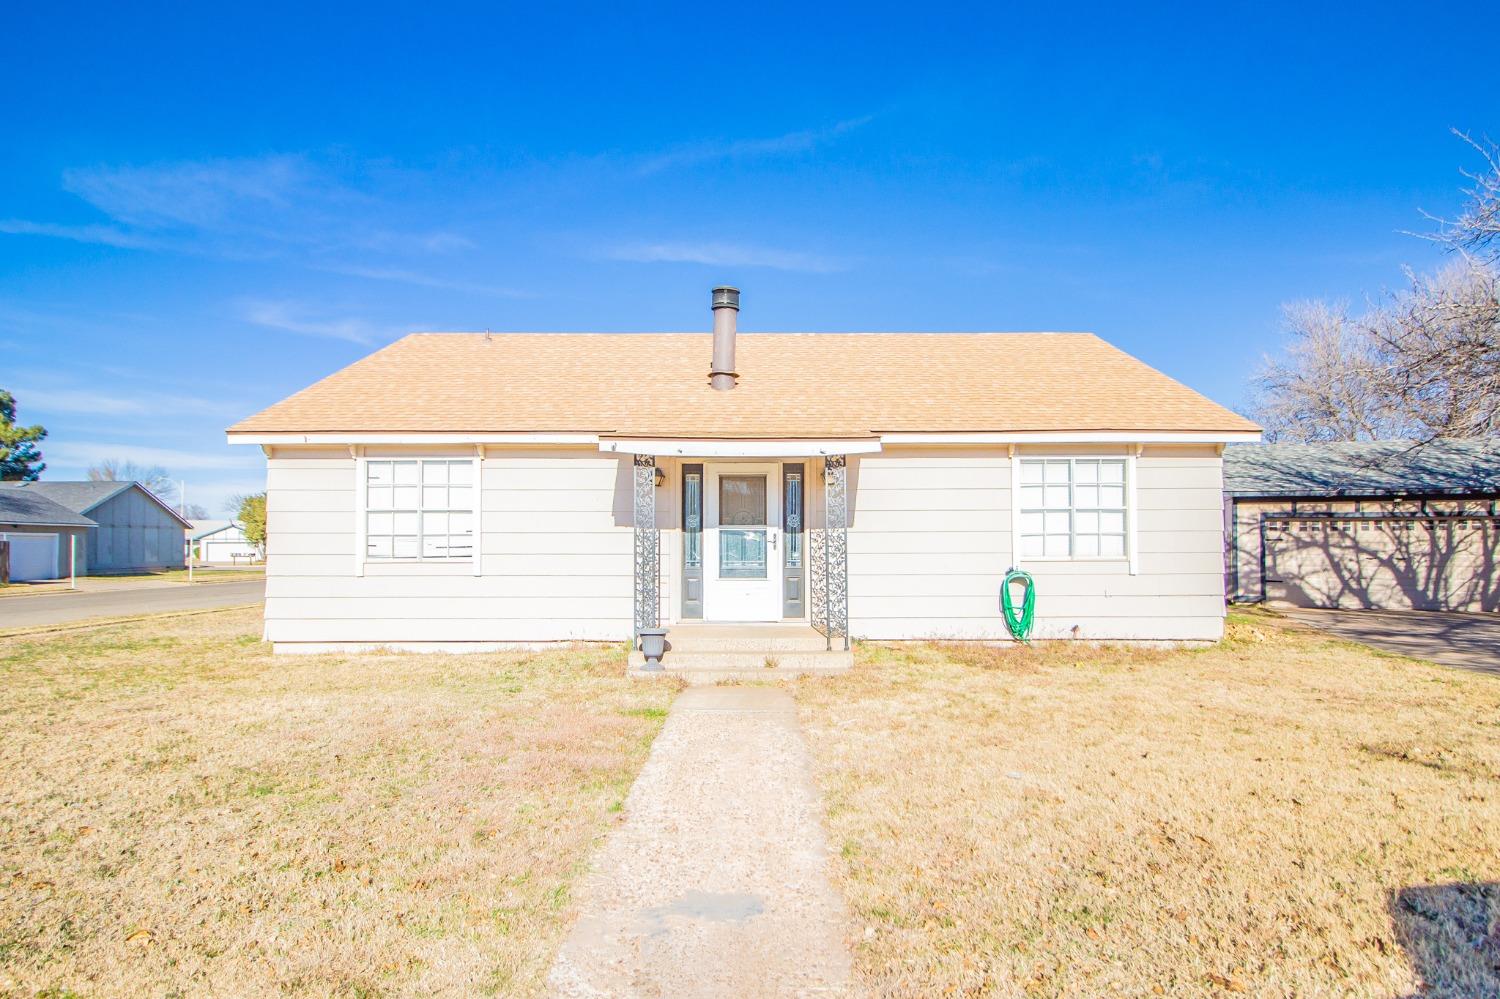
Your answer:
<point x="66" y="606"/>
<point x="1467" y="641"/>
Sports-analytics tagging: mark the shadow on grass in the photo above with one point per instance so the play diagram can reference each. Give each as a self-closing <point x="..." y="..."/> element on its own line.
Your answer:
<point x="1451" y="933"/>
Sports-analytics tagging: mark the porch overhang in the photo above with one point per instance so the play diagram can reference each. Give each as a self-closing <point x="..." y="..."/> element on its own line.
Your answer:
<point x="786" y="448"/>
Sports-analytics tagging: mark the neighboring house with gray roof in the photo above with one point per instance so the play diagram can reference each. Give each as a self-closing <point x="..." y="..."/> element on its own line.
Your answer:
<point x="1383" y="524"/>
<point x="42" y="535"/>
<point x="136" y="531"/>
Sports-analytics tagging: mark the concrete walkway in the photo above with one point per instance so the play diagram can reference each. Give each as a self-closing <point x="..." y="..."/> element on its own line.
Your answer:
<point x="716" y="884"/>
<point x="1465" y="641"/>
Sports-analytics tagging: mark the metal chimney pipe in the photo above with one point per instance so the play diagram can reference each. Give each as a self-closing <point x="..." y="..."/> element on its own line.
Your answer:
<point x="722" y="375"/>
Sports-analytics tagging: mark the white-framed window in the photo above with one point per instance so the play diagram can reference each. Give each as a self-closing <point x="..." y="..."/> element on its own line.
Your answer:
<point x="1074" y="508"/>
<point x="419" y="509"/>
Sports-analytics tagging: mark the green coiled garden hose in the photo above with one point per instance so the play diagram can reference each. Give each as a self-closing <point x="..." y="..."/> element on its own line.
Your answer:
<point x="1019" y="624"/>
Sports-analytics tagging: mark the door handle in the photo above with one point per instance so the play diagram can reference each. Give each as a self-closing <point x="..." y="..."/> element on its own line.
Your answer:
<point x="773" y="539"/>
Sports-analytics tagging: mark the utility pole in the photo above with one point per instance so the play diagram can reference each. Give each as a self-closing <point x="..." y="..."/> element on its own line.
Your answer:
<point x="182" y="509"/>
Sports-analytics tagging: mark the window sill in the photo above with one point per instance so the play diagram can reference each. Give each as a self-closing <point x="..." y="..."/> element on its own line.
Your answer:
<point x="1122" y="559"/>
<point x="419" y="567"/>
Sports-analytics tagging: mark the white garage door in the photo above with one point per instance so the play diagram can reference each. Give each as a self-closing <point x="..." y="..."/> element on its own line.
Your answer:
<point x="1440" y="562"/>
<point x="32" y="556"/>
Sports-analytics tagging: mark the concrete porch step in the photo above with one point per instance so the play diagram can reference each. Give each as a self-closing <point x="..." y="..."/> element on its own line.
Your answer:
<point x="763" y="638"/>
<point x="713" y="667"/>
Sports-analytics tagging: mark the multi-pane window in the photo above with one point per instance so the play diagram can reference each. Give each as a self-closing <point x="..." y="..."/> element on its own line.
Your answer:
<point x="420" y="509"/>
<point x="1073" y="508"/>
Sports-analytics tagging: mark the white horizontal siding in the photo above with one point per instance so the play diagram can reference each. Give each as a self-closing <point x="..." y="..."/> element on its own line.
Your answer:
<point x="284" y="501"/>
<point x="441" y="587"/>
<point x="556" y="556"/>
<point x="543" y="544"/>
<point x="284" y="475"/>
<point x="1059" y="583"/>
<point x="421" y="606"/>
<point x="281" y="541"/>
<point x="1153" y="628"/>
<point x="446" y="629"/>
<point x="931" y="542"/>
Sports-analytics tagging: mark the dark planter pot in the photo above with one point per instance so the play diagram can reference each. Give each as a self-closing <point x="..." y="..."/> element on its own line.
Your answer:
<point x="653" y="646"/>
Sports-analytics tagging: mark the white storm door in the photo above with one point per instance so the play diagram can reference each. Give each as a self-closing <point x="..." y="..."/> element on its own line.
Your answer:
<point x="742" y="544"/>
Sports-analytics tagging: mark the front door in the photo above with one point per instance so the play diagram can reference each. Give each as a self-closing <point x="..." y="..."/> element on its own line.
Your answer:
<point x="742" y="551"/>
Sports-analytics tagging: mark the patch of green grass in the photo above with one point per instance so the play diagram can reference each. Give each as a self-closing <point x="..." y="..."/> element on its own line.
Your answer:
<point x="650" y="711"/>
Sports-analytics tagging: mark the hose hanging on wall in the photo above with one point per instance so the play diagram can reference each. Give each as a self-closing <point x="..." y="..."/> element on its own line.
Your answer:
<point x="1019" y="624"/>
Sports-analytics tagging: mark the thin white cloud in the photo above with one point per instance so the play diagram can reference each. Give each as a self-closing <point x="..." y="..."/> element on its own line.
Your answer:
<point x="52" y="399"/>
<point x="401" y="276"/>
<point x="724" y="255"/>
<point x="103" y="235"/>
<point x="195" y="194"/>
<point x="292" y="317"/>
<point x="82" y="454"/>
<point x="248" y="208"/>
<point x="786" y="144"/>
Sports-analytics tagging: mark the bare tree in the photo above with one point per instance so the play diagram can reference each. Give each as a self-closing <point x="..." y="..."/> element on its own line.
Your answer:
<point x="1419" y="364"/>
<point x="1476" y="232"/>
<point x="1330" y="383"/>
<point x="1439" y="342"/>
<point x="153" y="477"/>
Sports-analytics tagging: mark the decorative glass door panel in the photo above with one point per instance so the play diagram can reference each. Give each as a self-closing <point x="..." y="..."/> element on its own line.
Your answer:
<point x="742" y="550"/>
<point x="692" y="541"/>
<point x="743" y="562"/>
<point x="794" y="600"/>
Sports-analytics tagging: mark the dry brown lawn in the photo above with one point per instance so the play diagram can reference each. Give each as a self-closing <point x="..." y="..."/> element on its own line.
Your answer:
<point x="1281" y="815"/>
<point x="183" y="814"/>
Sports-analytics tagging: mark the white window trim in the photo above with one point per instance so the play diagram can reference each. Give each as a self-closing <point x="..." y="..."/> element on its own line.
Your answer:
<point x="362" y="526"/>
<point x="1132" y="504"/>
<point x="1130" y="556"/>
<point x="477" y="552"/>
<point x="361" y="521"/>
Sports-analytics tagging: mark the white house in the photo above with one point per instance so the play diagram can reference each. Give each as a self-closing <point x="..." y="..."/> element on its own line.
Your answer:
<point x="220" y="541"/>
<point x="463" y="491"/>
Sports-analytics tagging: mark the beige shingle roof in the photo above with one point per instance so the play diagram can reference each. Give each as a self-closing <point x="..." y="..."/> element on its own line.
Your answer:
<point x="792" y="385"/>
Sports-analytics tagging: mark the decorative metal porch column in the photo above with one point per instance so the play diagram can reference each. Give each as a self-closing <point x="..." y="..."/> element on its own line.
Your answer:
<point x="647" y="547"/>
<point x="830" y="559"/>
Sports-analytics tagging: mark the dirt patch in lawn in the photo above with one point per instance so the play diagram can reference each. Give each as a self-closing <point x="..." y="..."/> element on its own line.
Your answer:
<point x="1283" y="814"/>
<point x="182" y="813"/>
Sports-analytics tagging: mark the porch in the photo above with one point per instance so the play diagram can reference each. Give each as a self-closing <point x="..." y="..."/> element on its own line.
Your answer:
<point x="708" y="653"/>
<point x="756" y="558"/>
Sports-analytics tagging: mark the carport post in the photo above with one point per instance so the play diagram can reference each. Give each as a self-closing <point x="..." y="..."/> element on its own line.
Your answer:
<point x="72" y="560"/>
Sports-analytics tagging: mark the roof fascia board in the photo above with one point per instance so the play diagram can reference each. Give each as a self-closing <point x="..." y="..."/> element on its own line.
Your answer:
<point x="342" y="437"/>
<point x="12" y="526"/>
<point x="1079" y="437"/>
<point x="812" y="447"/>
<point x="739" y="448"/>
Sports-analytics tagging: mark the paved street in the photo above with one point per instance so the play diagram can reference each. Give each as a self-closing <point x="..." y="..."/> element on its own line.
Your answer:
<point x="66" y="606"/>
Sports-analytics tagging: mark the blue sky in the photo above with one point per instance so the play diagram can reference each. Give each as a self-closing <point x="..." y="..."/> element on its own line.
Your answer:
<point x="202" y="211"/>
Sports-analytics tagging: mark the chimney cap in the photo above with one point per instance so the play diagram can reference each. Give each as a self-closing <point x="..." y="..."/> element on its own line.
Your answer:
<point x="726" y="297"/>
